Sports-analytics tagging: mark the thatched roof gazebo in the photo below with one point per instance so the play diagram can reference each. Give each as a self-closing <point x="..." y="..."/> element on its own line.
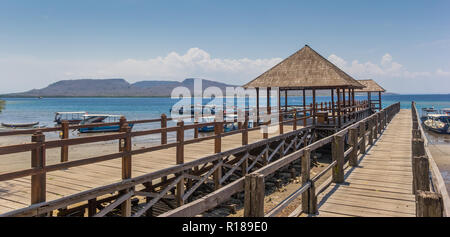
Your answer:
<point x="308" y="70"/>
<point x="371" y="86"/>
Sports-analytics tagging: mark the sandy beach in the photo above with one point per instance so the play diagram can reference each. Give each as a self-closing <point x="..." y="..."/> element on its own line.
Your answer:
<point x="18" y="161"/>
<point x="440" y="150"/>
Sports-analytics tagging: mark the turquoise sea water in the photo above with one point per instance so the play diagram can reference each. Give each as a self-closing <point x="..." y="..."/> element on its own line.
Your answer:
<point x="23" y="110"/>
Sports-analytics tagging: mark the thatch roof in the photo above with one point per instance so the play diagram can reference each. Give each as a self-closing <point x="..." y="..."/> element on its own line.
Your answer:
<point x="370" y="86"/>
<point x="305" y="69"/>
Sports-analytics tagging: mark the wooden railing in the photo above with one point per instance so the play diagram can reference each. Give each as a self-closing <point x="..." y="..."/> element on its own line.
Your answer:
<point x="357" y="137"/>
<point x="432" y="199"/>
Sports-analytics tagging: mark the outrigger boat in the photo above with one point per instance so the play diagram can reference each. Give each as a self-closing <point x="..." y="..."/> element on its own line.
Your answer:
<point x="71" y="117"/>
<point x="20" y="125"/>
<point x="227" y="127"/>
<point x="439" y="123"/>
<point x="101" y="118"/>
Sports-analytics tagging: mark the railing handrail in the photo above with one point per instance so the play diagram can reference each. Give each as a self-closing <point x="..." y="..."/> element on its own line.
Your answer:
<point x="437" y="180"/>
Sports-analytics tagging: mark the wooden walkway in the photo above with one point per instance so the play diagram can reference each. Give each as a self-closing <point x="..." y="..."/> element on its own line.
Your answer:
<point x="381" y="185"/>
<point x="15" y="194"/>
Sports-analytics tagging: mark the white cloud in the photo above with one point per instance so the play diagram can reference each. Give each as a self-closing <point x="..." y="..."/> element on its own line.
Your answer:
<point x="386" y="59"/>
<point x="30" y="72"/>
<point x="440" y="72"/>
<point x="387" y="68"/>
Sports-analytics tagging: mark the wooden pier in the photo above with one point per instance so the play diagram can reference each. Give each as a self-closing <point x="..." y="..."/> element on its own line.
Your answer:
<point x="381" y="183"/>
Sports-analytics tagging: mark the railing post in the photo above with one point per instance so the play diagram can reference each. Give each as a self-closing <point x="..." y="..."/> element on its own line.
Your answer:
<point x="380" y="123"/>
<point x="375" y="133"/>
<point x="126" y="168"/>
<point x="295" y="120"/>
<point x="362" y="134"/>
<point x="313" y="209"/>
<point x="92" y="207"/>
<point x="245" y="132"/>
<point x="338" y="155"/>
<point x="304" y="117"/>
<point x="416" y="133"/>
<point x="305" y="172"/>
<point x="429" y="204"/>
<point x="64" y="135"/>
<point x="254" y="195"/>
<point x="353" y="135"/>
<point x="122" y="123"/>
<point x="371" y="125"/>
<point x="418" y="147"/>
<point x="218" y="129"/>
<point x="280" y="121"/>
<point x="164" y="132"/>
<point x="196" y="128"/>
<point x="38" y="181"/>
<point x="148" y="188"/>
<point x="180" y="160"/>
<point x="180" y="143"/>
<point x="421" y="174"/>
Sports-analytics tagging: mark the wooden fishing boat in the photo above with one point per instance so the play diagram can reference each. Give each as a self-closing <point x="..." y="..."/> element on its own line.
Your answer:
<point x="101" y="118"/>
<point x="439" y="123"/>
<point x="426" y="112"/>
<point x="20" y="125"/>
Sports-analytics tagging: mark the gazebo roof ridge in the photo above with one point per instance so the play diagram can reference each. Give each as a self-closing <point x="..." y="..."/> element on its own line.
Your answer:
<point x="305" y="69"/>
<point x="369" y="86"/>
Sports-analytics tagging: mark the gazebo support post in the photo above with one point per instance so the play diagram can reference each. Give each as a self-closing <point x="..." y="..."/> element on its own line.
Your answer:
<point x="285" y="100"/>
<point x="257" y="106"/>
<point x="332" y="106"/>
<point x="379" y="100"/>
<point x="338" y="92"/>
<point x="344" y="106"/>
<point x="314" y="106"/>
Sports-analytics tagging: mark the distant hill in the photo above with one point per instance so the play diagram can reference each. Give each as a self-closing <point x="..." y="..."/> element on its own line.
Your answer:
<point x="112" y="87"/>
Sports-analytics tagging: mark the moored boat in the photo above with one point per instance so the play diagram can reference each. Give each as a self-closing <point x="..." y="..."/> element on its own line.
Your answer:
<point x="101" y="118"/>
<point x="438" y="123"/>
<point x="426" y="112"/>
<point x="71" y="117"/>
<point x="227" y="127"/>
<point x="20" y="125"/>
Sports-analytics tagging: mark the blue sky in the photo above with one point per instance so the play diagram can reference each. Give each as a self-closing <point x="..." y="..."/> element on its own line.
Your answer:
<point x="405" y="45"/>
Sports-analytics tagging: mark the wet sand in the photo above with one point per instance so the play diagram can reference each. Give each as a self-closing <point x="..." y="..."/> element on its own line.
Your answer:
<point x="439" y="145"/>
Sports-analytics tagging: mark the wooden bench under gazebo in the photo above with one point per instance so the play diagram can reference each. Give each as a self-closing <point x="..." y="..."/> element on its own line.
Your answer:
<point x="309" y="72"/>
<point x="370" y="86"/>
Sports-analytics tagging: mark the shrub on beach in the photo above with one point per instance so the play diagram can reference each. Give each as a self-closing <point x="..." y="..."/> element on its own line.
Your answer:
<point x="2" y="105"/>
